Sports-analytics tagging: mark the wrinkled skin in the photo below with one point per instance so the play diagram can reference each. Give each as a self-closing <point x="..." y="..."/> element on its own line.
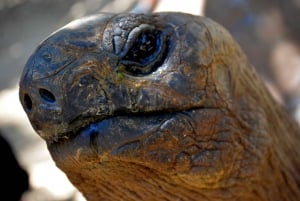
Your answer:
<point x="159" y="107"/>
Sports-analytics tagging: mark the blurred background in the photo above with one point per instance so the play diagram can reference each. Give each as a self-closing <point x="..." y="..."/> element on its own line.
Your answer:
<point x="267" y="30"/>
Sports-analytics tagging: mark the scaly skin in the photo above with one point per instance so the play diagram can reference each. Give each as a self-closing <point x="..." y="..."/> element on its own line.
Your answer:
<point x="194" y="122"/>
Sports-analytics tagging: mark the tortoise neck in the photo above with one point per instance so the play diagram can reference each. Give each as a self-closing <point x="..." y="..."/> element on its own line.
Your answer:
<point x="281" y="175"/>
<point x="284" y="162"/>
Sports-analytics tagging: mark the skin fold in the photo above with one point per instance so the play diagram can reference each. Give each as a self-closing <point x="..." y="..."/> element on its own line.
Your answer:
<point x="162" y="106"/>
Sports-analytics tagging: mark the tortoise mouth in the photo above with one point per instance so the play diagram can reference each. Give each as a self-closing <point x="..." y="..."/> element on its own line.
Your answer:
<point x="113" y="133"/>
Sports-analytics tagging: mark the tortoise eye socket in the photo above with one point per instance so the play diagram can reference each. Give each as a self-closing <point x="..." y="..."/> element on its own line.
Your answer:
<point x="146" y="51"/>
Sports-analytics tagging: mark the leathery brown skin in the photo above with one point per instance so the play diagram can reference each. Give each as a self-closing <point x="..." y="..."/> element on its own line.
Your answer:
<point x="188" y="121"/>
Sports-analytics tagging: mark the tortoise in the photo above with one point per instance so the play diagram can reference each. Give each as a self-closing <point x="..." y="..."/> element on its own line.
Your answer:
<point x="161" y="106"/>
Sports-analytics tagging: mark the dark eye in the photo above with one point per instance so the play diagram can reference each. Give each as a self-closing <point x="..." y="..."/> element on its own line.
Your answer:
<point x="145" y="52"/>
<point x="144" y="47"/>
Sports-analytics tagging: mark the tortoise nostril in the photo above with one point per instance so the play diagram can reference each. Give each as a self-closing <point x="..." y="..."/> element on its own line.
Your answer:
<point x="47" y="95"/>
<point x="28" y="102"/>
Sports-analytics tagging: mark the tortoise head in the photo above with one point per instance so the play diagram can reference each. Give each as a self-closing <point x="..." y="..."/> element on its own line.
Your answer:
<point x="104" y="66"/>
<point x="132" y="102"/>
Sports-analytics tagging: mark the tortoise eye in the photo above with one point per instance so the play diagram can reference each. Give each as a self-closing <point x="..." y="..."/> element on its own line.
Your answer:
<point x="145" y="52"/>
<point x="144" y="47"/>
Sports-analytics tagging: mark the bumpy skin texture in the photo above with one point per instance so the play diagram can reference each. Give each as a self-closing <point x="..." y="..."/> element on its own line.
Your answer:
<point x="159" y="107"/>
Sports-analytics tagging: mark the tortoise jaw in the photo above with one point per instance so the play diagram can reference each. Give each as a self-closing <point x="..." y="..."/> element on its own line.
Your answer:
<point x="113" y="134"/>
<point x="84" y="126"/>
<point x="88" y="126"/>
<point x="117" y="133"/>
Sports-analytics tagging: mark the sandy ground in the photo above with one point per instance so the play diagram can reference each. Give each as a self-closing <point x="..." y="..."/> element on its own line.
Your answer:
<point x="24" y="24"/>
